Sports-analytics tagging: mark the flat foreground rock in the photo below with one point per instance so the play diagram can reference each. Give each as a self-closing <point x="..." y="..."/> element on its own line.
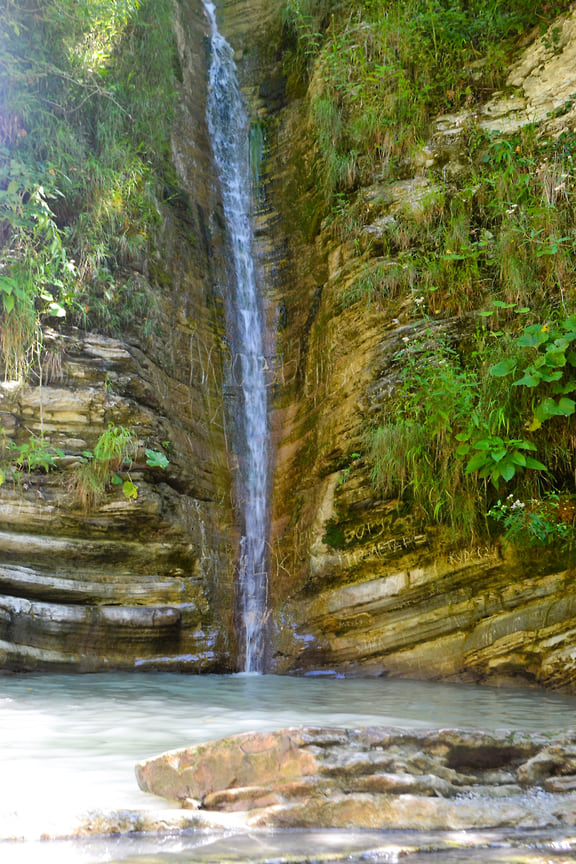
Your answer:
<point x="378" y="778"/>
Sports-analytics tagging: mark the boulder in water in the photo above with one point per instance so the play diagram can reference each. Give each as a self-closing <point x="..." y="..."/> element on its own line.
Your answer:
<point x="378" y="778"/>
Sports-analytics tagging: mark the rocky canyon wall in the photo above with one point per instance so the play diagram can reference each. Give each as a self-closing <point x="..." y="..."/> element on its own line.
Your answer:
<point x="124" y="583"/>
<point x="360" y="584"/>
<point x="363" y="585"/>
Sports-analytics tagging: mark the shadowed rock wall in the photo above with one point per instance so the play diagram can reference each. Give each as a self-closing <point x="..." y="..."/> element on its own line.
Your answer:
<point x="146" y="583"/>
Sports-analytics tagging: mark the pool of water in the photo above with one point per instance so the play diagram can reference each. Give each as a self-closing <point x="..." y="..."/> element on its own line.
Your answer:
<point x="70" y="743"/>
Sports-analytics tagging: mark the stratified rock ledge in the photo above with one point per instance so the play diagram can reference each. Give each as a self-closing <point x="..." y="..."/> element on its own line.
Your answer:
<point x="376" y="778"/>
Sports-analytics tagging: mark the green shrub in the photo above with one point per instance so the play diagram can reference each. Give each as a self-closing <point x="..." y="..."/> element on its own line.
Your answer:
<point x="86" y="106"/>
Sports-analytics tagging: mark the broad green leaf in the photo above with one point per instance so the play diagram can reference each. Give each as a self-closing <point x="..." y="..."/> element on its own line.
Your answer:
<point x="534" y="463"/>
<point x="129" y="489"/>
<point x="498" y="455"/>
<point x="156" y="459"/>
<point x="487" y="443"/>
<point x="566" y="406"/>
<point x="525" y="445"/>
<point x="489" y="471"/>
<point x="508" y="470"/>
<point x="552" y="375"/>
<point x="533" y="336"/>
<point x="518" y="458"/>
<point x="7" y="284"/>
<point x="564" y="387"/>
<point x="476" y="462"/>
<point x="556" y="357"/>
<point x="504" y="367"/>
<point x="546" y="409"/>
<point x="528" y="380"/>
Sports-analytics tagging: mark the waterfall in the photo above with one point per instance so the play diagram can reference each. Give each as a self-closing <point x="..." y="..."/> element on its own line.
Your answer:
<point x="228" y="127"/>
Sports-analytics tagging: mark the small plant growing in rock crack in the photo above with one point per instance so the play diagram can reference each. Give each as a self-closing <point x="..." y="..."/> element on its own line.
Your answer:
<point x="35" y="454"/>
<point x="115" y="450"/>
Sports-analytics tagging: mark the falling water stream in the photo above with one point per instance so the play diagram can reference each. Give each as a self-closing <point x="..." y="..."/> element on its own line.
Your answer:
<point x="229" y="132"/>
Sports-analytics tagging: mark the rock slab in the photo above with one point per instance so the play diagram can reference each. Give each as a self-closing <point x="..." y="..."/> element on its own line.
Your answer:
<point x="376" y="778"/>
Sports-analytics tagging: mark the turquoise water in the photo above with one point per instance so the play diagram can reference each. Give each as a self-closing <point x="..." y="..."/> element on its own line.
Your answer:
<point x="70" y="743"/>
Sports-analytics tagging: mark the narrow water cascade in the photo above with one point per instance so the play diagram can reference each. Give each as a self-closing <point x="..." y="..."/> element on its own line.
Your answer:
<point x="229" y="131"/>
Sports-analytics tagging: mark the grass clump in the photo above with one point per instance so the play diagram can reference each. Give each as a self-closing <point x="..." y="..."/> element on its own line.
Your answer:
<point x="381" y="68"/>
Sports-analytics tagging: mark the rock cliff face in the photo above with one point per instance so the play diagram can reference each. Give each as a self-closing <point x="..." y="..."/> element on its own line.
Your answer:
<point x="145" y="583"/>
<point x="357" y="585"/>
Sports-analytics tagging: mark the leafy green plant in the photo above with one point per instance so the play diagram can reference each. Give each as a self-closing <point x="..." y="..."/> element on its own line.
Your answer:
<point x="156" y="459"/>
<point x="449" y="424"/>
<point x="113" y="455"/>
<point x="537" y="521"/>
<point x="545" y="357"/>
<point x="382" y="69"/>
<point x="117" y="446"/>
<point x="82" y="185"/>
<point x="498" y="458"/>
<point x="35" y="454"/>
<point x="115" y="449"/>
<point x="414" y="452"/>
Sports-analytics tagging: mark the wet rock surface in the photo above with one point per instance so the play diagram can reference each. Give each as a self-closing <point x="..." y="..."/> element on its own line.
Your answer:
<point x="379" y="778"/>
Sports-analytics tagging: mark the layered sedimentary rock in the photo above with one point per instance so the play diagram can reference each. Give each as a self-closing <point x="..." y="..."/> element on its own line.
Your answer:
<point x="361" y="585"/>
<point x="377" y="778"/>
<point x="123" y="582"/>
